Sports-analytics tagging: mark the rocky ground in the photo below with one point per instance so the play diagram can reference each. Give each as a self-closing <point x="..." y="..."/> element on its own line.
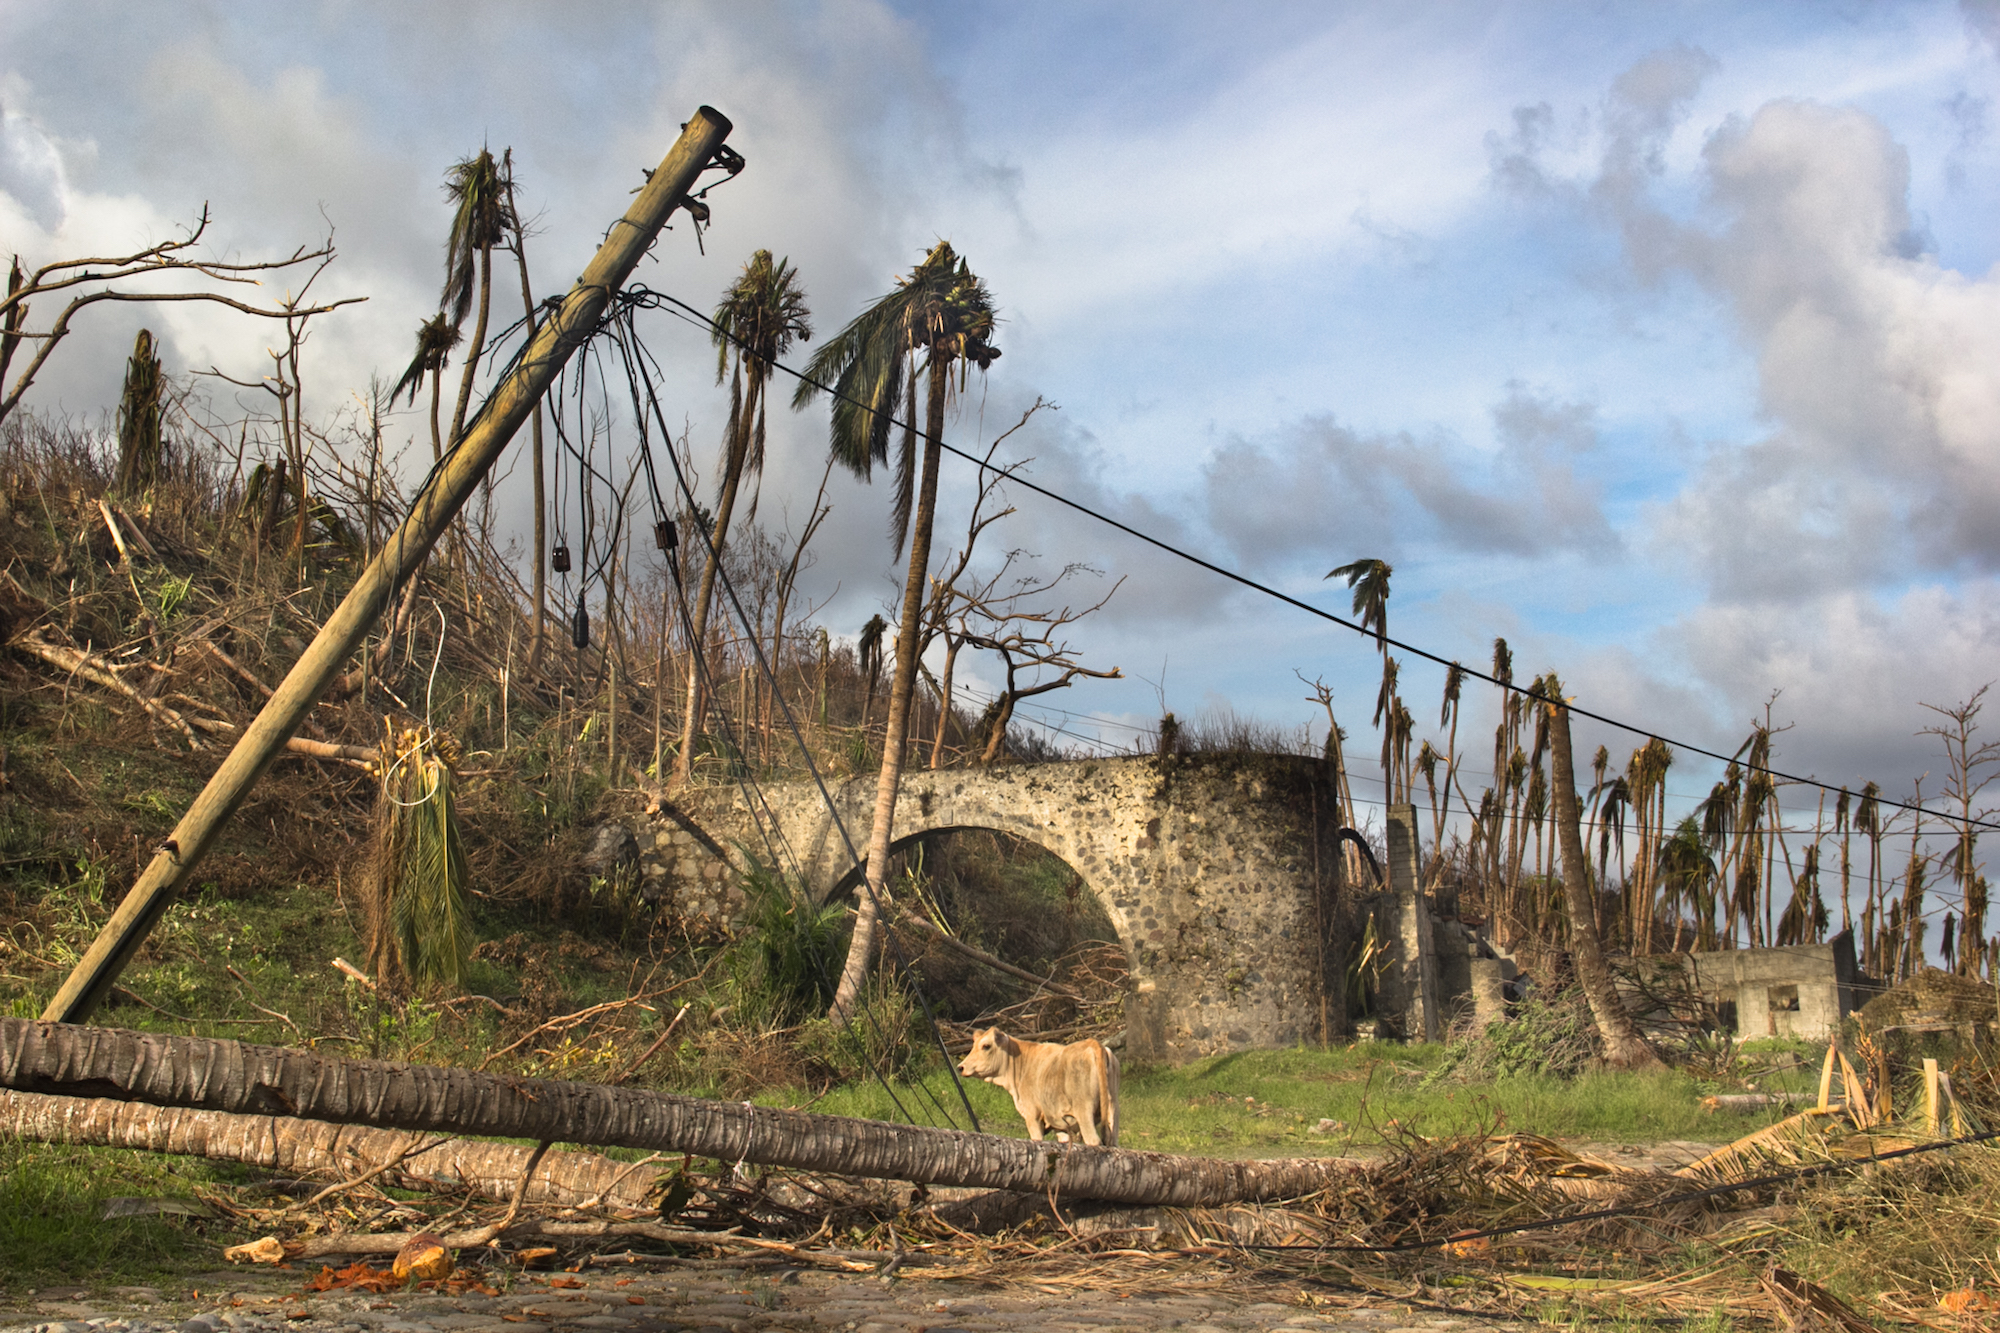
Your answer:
<point x="727" y="1299"/>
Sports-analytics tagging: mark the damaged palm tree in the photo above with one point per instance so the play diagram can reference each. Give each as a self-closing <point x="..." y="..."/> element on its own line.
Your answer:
<point x="417" y="927"/>
<point x="761" y="314"/>
<point x="139" y="418"/>
<point x="932" y="329"/>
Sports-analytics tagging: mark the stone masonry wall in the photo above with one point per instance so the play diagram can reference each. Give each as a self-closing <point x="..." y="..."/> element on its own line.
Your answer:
<point x="1216" y="872"/>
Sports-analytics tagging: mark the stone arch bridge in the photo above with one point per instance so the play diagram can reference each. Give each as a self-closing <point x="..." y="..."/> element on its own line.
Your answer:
<point x="1218" y="873"/>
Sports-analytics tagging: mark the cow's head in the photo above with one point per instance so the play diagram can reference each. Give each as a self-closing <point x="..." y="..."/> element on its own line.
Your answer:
<point x="991" y="1051"/>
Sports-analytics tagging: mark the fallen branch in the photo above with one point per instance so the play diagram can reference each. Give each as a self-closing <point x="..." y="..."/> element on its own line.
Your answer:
<point x="117" y="537"/>
<point x="388" y="1242"/>
<point x="99" y="672"/>
<point x="236" y="668"/>
<point x="137" y="534"/>
<point x="347" y="754"/>
<point x="359" y="756"/>
<point x="957" y="945"/>
<point x="633" y="1068"/>
<point x="562" y="1023"/>
<point x="417" y="1145"/>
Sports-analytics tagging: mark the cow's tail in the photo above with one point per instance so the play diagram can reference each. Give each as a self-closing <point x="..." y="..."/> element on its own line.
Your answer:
<point x="1107" y="1108"/>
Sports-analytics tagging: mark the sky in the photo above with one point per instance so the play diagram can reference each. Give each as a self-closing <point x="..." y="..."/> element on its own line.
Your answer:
<point x="1663" y="341"/>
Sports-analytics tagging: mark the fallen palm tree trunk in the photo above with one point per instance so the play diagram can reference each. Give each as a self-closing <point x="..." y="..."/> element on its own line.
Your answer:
<point x="411" y="1160"/>
<point x="66" y="1059"/>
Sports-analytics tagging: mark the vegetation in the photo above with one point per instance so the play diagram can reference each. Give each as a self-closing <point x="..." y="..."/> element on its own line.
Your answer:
<point x="1364" y="1097"/>
<point x="439" y="821"/>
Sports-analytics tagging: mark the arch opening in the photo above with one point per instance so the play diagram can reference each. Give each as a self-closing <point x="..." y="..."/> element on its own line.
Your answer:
<point x="1010" y="897"/>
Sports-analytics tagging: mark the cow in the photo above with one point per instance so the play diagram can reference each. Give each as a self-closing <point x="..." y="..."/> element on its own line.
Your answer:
<point x="1054" y="1086"/>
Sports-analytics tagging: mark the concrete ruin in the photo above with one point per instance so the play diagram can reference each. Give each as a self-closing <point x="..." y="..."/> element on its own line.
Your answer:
<point x="1801" y="990"/>
<point x="1436" y="971"/>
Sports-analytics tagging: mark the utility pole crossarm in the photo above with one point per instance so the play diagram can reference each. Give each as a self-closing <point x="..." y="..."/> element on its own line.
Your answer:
<point x="469" y="460"/>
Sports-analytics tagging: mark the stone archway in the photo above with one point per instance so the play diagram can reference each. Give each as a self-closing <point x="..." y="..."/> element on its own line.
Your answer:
<point x="1216" y="871"/>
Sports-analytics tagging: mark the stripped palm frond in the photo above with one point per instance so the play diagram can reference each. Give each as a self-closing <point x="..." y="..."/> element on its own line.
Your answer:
<point x="418" y="926"/>
<point x="436" y="337"/>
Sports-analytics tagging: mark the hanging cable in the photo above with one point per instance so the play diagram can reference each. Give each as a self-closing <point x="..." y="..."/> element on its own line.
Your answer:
<point x="646" y="367"/>
<point x="756" y="800"/>
<point x="581" y="449"/>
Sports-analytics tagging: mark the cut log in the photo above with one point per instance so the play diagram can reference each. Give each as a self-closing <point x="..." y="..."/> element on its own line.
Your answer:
<point x="314" y="1148"/>
<point x="1758" y="1101"/>
<point x="69" y="1060"/>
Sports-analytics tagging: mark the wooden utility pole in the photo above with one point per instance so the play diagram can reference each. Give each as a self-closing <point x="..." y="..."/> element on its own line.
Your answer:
<point x="510" y="403"/>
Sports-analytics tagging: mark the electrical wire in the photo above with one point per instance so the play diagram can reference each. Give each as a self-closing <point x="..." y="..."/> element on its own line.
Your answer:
<point x="640" y="367"/>
<point x="696" y="316"/>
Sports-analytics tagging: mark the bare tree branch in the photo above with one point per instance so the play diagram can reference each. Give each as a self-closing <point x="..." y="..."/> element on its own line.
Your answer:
<point x="166" y="257"/>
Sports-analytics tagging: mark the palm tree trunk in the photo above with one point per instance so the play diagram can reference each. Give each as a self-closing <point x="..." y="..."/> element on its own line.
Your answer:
<point x="732" y="477"/>
<point x="458" y="411"/>
<point x="311" y="1148"/>
<point x="1624" y="1048"/>
<point x="437" y="437"/>
<point x="230" y="1076"/>
<point x="472" y="353"/>
<point x="902" y="692"/>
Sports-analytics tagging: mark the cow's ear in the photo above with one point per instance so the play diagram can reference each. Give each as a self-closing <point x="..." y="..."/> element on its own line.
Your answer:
<point x="1005" y="1042"/>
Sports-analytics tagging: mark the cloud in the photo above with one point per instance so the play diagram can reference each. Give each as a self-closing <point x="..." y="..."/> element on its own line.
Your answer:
<point x="1855" y="667"/>
<point x="1326" y="488"/>
<point x="1878" y="369"/>
<point x="1982" y="19"/>
<point x="31" y="171"/>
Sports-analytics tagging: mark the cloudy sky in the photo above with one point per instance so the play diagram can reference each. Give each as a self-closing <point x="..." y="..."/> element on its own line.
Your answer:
<point x="1662" y="340"/>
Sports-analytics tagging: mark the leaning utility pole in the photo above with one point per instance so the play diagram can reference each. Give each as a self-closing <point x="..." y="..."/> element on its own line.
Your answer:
<point x="432" y="511"/>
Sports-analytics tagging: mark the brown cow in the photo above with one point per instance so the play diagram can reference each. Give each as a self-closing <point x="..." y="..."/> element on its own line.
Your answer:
<point x="1054" y="1086"/>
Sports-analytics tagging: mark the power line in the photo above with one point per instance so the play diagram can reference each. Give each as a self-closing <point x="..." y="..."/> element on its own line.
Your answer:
<point x="652" y="299"/>
<point x="640" y="364"/>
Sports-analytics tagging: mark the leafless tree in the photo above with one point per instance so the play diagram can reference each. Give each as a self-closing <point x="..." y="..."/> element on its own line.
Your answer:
<point x="1970" y="765"/>
<point x="1002" y="613"/>
<point x="121" y="278"/>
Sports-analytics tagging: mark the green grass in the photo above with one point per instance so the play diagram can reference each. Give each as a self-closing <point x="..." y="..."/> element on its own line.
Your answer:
<point x="1267" y="1103"/>
<point x="52" y="1224"/>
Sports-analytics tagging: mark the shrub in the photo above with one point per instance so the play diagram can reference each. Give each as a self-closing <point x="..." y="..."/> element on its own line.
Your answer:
<point x="1552" y="1038"/>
